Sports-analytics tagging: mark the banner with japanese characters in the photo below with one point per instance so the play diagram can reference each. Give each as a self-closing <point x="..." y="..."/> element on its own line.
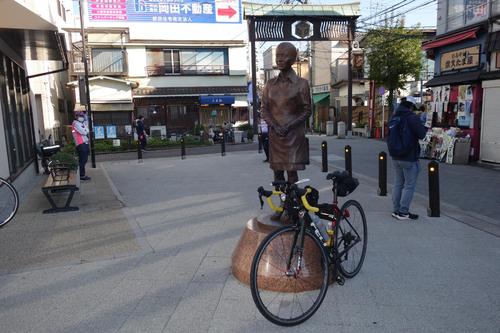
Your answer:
<point x="166" y="11"/>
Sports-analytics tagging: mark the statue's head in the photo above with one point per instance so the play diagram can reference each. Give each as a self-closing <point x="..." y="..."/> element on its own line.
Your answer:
<point x="286" y="54"/>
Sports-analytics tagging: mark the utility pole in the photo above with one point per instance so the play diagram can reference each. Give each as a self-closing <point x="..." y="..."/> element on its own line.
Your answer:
<point x="350" y="38"/>
<point x="87" y="89"/>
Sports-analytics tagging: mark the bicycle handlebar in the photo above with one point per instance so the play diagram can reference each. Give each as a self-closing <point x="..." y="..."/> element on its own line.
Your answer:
<point x="269" y="194"/>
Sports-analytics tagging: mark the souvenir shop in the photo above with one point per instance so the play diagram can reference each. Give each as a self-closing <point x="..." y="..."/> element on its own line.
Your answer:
<point x="454" y="112"/>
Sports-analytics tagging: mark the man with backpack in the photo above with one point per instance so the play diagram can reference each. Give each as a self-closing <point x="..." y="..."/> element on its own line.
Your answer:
<point x="405" y="129"/>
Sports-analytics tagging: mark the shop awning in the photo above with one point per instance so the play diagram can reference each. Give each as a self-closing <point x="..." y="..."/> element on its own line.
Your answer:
<point x="467" y="34"/>
<point x="317" y="98"/>
<point x="458" y="78"/>
<point x="109" y="107"/>
<point x="240" y="104"/>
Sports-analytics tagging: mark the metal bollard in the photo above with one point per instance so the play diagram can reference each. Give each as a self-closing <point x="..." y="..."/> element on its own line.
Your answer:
<point x="183" y="148"/>
<point x="223" y="144"/>
<point x="259" y="136"/>
<point x="139" y="151"/>
<point x="434" y="206"/>
<point x="324" y="156"/>
<point x="348" y="159"/>
<point x="382" y="174"/>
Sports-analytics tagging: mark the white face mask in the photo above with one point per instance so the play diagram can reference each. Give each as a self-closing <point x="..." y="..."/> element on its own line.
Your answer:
<point x="81" y="119"/>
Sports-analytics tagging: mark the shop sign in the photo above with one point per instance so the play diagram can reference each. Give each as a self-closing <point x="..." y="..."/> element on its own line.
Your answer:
<point x="166" y="11"/>
<point x="217" y="100"/>
<point x="324" y="88"/>
<point x="459" y="59"/>
<point x="476" y="11"/>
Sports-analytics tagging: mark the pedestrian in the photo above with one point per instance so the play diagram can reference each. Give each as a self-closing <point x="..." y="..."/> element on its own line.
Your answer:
<point x="80" y="133"/>
<point x="286" y="104"/>
<point x="405" y="129"/>
<point x="264" y="137"/>
<point x="141" y="132"/>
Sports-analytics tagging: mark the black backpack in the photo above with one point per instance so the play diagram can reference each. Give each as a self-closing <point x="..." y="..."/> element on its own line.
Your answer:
<point x="400" y="140"/>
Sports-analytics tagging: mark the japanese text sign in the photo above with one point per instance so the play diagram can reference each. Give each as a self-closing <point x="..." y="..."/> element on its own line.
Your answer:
<point x="166" y="11"/>
<point x="459" y="59"/>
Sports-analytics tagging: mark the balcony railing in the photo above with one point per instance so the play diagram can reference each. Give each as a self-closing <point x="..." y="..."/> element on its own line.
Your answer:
<point x="118" y="67"/>
<point x="187" y="70"/>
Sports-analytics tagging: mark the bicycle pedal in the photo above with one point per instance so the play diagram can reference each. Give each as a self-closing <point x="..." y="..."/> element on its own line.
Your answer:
<point x="340" y="280"/>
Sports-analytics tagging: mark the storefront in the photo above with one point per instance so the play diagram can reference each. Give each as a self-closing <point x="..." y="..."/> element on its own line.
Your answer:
<point x="454" y="112"/>
<point x="321" y="107"/>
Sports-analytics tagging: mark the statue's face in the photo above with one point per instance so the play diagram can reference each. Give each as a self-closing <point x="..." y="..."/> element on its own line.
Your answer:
<point x="285" y="57"/>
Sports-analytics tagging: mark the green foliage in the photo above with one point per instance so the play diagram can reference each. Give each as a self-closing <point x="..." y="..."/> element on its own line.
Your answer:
<point x="198" y="128"/>
<point x="244" y="127"/>
<point x="394" y="55"/>
<point x="66" y="158"/>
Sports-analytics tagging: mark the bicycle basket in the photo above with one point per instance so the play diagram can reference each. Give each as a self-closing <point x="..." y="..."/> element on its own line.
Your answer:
<point x="347" y="186"/>
<point x="312" y="197"/>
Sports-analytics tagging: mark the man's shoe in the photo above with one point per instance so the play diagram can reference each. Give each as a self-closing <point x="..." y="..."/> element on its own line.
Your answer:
<point x="143" y="150"/>
<point x="85" y="178"/>
<point x="402" y="216"/>
<point x="265" y="161"/>
<point x="395" y="215"/>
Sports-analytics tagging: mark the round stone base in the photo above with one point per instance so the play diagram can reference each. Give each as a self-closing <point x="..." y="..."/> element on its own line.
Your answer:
<point x="271" y="278"/>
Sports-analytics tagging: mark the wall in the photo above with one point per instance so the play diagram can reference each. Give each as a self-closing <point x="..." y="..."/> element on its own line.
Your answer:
<point x="191" y="81"/>
<point x="320" y="62"/>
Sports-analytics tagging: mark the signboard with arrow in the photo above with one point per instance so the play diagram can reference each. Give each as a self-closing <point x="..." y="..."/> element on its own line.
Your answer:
<point x="166" y="11"/>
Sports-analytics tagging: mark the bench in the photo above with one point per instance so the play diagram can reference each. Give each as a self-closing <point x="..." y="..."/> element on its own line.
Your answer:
<point x="58" y="184"/>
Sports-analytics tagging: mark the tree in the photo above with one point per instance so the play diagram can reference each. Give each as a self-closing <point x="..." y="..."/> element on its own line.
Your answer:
<point x="394" y="55"/>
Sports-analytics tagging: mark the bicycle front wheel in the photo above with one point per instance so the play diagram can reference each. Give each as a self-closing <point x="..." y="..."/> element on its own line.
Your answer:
<point x="289" y="283"/>
<point x="350" y="239"/>
<point x="9" y="202"/>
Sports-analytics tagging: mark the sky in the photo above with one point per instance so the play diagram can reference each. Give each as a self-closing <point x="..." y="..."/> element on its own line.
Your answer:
<point x="418" y="11"/>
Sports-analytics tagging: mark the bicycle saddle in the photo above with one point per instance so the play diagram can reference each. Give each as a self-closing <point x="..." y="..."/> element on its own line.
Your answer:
<point x="338" y="176"/>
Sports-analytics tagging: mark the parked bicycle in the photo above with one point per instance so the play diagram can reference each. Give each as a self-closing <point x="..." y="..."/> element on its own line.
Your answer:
<point x="9" y="202"/>
<point x="294" y="265"/>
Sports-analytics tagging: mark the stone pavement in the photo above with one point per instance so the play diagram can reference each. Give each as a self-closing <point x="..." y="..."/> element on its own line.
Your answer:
<point x="151" y="249"/>
<point x="468" y="193"/>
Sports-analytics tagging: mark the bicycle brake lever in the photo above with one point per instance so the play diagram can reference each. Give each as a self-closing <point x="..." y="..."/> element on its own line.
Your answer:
<point x="260" y="190"/>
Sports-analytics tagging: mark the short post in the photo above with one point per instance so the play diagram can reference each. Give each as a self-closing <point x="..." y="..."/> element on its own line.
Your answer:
<point x="348" y="159"/>
<point x="223" y="144"/>
<point x="139" y="151"/>
<point x="382" y="174"/>
<point x="324" y="156"/>
<point x="434" y="206"/>
<point x="259" y="137"/>
<point x="183" y="148"/>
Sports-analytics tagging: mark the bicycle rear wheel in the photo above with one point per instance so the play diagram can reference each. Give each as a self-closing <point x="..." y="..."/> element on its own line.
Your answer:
<point x="9" y="202"/>
<point x="283" y="295"/>
<point x="350" y="239"/>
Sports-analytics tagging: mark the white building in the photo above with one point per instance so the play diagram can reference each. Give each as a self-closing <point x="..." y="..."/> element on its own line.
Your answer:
<point x="33" y="101"/>
<point x="180" y="65"/>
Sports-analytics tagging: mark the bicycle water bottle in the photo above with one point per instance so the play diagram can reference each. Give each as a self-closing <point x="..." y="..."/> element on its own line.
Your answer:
<point x="320" y="228"/>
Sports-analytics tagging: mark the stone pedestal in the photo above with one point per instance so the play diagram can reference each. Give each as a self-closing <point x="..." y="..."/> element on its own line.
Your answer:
<point x="255" y="231"/>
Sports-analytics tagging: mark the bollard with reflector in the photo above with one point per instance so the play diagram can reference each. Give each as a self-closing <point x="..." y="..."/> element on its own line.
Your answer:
<point x="324" y="156"/>
<point x="382" y="174"/>
<point x="260" y="143"/>
<point x="223" y="144"/>
<point x="183" y="148"/>
<point x="434" y="206"/>
<point x="348" y="159"/>
<point x="139" y="151"/>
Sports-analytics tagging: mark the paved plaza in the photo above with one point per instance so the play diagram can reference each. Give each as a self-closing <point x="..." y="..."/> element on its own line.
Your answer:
<point x="150" y="251"/>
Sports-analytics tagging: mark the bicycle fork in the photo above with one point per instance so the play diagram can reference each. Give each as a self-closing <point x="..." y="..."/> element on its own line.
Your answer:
<point x="297" y="250"/>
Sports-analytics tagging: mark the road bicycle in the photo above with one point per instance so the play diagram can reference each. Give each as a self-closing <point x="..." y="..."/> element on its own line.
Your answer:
<point x="9" y="202"/>
<point x="294" y="265"/>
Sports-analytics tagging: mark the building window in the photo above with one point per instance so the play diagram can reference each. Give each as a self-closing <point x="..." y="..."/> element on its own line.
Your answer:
<point x="187" y="62"/>
<point x="17" y="120"/>
<point x="107" y="61"/>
